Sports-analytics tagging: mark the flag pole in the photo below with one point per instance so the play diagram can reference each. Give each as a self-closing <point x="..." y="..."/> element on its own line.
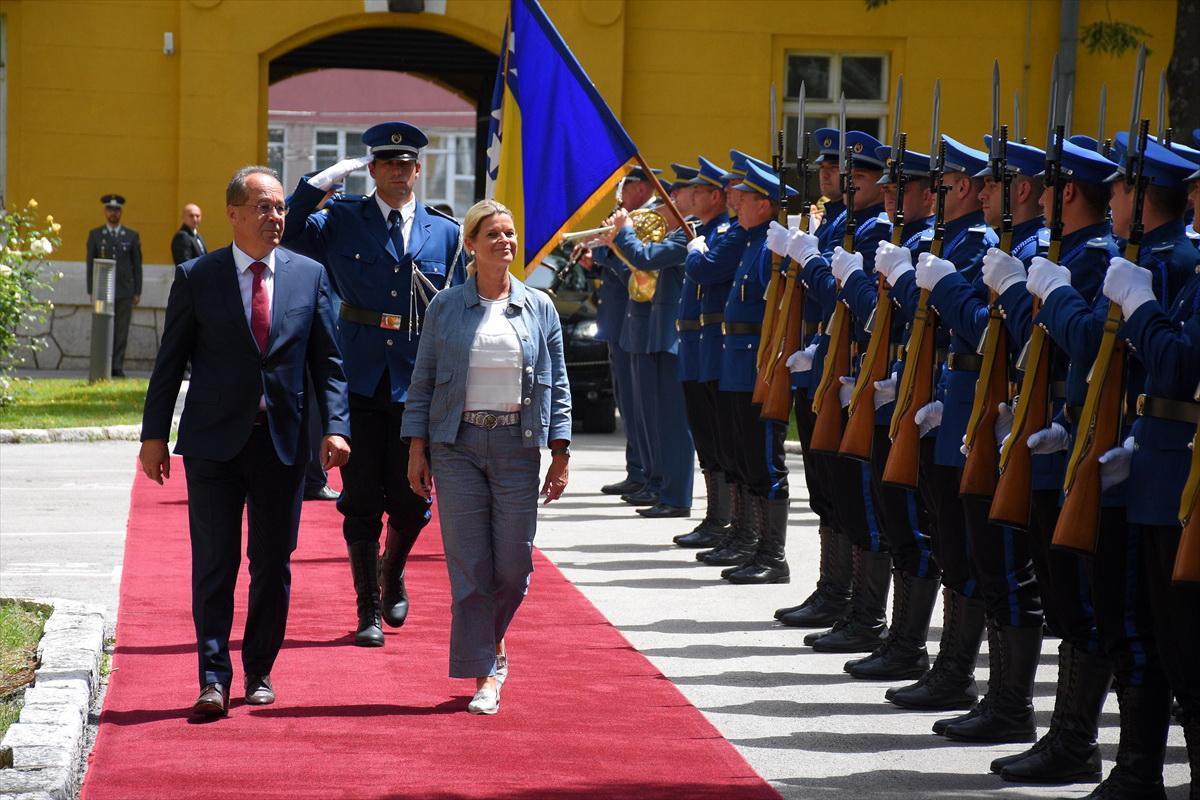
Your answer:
<point x="658" y="188"/>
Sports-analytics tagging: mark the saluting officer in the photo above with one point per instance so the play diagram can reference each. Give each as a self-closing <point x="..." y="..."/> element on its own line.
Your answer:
<point x="387" y="254"/>
<point x="113" y="240"/>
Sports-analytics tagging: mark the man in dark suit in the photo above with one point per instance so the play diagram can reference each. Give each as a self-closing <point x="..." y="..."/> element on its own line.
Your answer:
<point x="251" y="318"/>
<point x="113" y="240"/>
<point x="187" y="242"/>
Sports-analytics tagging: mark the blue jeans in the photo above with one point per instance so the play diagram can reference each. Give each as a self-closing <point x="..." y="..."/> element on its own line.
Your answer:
<point x="487" y="493"/>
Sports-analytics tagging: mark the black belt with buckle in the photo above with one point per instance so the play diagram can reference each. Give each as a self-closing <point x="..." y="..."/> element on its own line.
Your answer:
<point x="489" y="419"/>
<point x="374" y="319"/>
<point x="682" y="325"/>
<point x="809" y="330"/>
<point x="1164" y="408"/>
<point x="741" y="328"/>
<point x="964" y="362"/>
<point x="1073" y="414"/>
<point x="713" y="318"/>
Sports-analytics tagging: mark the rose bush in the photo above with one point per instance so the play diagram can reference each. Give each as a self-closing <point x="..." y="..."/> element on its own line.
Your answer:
<point x="26" y="242"/>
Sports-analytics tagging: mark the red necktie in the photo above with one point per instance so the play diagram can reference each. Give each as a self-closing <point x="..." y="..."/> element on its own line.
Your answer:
<point x="260" y="307"/>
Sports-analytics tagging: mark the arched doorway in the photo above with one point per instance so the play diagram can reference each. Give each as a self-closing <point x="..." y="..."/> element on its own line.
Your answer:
<point x="462" y="67"/>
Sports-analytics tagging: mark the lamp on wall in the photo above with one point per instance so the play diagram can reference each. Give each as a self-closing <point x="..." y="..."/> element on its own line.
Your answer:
<point x="168" y="43"/>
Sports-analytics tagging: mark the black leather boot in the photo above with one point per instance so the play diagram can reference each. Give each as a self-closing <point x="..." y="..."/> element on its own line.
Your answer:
<point x="1008" y="717"/>
<point x="831" y="601"/>
<point x="867" y="626"/>
<point x="742" y="542"/>
<point x="735" y="517"/>
<point x="903" y="653"/>
<point x="716" y="516"/>
<point x="391" y="574"/>
<point x="950" y="683"/>
<point x="1068" y="752"/>
<point x="1145" y="717"/>
<point x="364" y="568"/>
<point x="769" y="564"/>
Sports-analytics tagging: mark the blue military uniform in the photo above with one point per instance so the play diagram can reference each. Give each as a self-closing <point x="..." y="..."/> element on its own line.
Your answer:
<point x="384" y="277"/>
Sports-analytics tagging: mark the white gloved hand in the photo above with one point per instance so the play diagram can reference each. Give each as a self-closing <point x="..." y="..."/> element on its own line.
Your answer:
<point x="327" y="177"/>
<point x="892" y="261"/>
<point x="928" y="417"/>
<point x="793" y="221"/>
<point x="846" y="390"/>
<point x="802" y="360"/>
<point x="697" y="245"/>
<point x="1049" y="440"/>
<point x="1128" y="285"/>
<point x="844" y="263"/>
<point x="931" y="269"/>
<point x="1004" y="423"/>
<point x="777" y="238"/>
<point x="1115" y="464"/>
<point x="1001" y="271"/>
<point x="885" y="391"/>
<point x="1045" y="276"/>
<point x="803" y="246"/>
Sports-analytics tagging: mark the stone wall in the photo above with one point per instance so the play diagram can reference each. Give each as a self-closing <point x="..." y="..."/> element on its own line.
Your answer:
<point x="66" y="332"/>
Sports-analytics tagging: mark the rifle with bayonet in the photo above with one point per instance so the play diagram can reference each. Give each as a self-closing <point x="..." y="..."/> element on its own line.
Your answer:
<point x="1099" y="428"/>
<point x="991" y="387"/>
<point x="859" y="436"/>
<point x="1012" y="502"/>
<point x="826" y="405"/>
<point x="785" y="338"/>
<point x="920" y="355"/>
<point x="774" y="290"/>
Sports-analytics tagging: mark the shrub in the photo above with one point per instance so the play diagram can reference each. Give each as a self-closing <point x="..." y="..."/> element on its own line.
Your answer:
<point x="26" y="242"/>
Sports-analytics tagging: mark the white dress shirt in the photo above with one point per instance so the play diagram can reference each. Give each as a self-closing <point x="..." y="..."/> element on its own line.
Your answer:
<point x="246" y="284"/>
<point x="406" y="217"/>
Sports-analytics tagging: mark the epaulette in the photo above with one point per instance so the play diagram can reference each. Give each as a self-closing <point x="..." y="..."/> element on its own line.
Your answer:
<point x="1099" y="243"/>
<point x="435" y="213"/>
<point x="1043" y="237"/>
<point x="927" y="235"/>
<point x="980" y="229"/>
<point x="723" y="227"/>
<point x="1165" y="247"/>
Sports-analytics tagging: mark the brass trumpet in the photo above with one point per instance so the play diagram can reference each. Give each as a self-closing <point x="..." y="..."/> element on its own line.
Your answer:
<point x="650" y="227"/>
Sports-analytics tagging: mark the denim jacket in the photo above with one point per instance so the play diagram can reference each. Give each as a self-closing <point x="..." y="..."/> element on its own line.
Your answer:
<point x="439" y="380"/>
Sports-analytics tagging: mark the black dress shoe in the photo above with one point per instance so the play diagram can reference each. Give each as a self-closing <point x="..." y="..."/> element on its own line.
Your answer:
<point x="642" y="497"/>
<point x="663" y="511"/>
<point x="212" y="702"/>
<point x="259" y="691"/>
<point x="326" y="492"/>
<point x="626" y="486"/>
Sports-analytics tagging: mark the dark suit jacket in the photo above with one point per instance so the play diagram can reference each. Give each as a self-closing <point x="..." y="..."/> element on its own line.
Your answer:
<point x="206" y="323"/>
<point x="126" y="249"/>
<point x="186" y="245"/>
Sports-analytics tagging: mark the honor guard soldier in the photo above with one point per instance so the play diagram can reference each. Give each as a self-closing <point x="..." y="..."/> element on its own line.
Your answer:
<point x="830" y="600"/>
<point x="706" y="203"/>
<point x="756" y="552"/>
<point x="712" y="262"/>
<point x="1132" y="631"/>
<point x="387" y="255"/>
<point x="652" y="337"/>
<point x="950" y="682"/>
<point x="113" y="240"/>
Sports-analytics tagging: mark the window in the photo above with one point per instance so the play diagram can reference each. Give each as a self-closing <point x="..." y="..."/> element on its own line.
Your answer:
<point x="334" y="145"/>
<point x="276" y="145"/>
<point x="863" y="78"/>
<point x="448" y="170"/>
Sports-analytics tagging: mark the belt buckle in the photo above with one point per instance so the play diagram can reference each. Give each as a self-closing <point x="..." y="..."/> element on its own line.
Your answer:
<point x="490" y="421"/>
<point x="391" y="322"/>
<point x="1141" y="405"/>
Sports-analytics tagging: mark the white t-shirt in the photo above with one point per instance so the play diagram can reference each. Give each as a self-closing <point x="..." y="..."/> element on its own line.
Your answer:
<point x="494" y="366"/>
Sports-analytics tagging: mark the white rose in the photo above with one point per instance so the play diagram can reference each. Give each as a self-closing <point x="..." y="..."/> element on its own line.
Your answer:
<point x="41" y="247"/>
<point x="5" y="270"/>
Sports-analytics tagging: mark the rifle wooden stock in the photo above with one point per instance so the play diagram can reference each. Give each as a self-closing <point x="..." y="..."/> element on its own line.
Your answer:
<point x="828" y="427"/>
<point x="991" y="389"/>
<point x="915" y="391"/>
<point x="770" y="328"/>
<point x="1187" y="556"/>
<point x="777" y="403"/>
<point x="1098" y="430"/>
<point x="859" y="436"/>
<point x="1012" y="502"/>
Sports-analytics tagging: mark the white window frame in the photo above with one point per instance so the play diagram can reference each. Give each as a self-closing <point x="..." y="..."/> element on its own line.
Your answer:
<point x="830" y="108"/>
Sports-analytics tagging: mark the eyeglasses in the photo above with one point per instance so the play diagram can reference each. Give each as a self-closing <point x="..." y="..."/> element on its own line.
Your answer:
<point x="265" y="208"/>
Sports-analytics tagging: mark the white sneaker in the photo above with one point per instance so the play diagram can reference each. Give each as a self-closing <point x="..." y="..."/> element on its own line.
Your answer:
<point x="485" y="701"/>
<point x="501" y="670"/>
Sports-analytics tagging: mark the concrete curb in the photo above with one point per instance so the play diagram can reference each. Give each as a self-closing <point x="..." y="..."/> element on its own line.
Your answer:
<point x="41" y="753"/>
<point x="790" y="447"/>
<point x="104" y="433"/>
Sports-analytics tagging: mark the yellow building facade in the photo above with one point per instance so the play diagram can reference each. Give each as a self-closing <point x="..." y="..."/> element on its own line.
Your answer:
<point x="161" y="100"/>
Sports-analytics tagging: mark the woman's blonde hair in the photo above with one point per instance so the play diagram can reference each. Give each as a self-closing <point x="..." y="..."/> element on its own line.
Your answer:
<point x="476" y="215"/>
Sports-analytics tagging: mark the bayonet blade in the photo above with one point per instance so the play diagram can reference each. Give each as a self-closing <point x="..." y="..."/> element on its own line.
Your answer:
<point x="899" y="109"/>
<point x="937" y="110"/>
<point x="1069" y="113"/>
<point x="1052" y="111"/>
<point x="801" y="134"/>
<point x="996" y="109"/>
<point x="1016" y="126"/>
<point x="771" y="128"/>
<point x="1139" y="77"/>
<point x="1103" y="113"/>
<point x="842" y="135"/>
<point x="1162" y="103"/>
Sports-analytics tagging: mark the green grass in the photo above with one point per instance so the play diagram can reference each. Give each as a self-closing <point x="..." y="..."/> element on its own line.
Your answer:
<point x="20" y="630"/>
<point x="71" y="403"/>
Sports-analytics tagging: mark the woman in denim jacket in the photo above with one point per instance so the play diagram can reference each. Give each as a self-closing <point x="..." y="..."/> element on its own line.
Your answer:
<point x="489" y="389"/>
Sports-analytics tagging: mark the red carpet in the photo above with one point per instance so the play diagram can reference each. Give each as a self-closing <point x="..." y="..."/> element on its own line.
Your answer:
<point x="584" y="715"/>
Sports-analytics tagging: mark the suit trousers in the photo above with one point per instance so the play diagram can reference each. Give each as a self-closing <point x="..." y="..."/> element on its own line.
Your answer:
<point x="487" y="493"/>
<point x="818" y="474"/>
<point x="271" y="493"/>
<point x="122" y="316"/>
<point x="1064" y="578"/>
<point x="760" y="455"/>
<point x="667" y="438"/>
<point x="938" y="486"/>
<point x="700" y="402"/>
<point x="857" y="506"/>
<point x="315" y="477"/>
<point x="1003" y="566"/>
<point x="1129" y="619"/>
<point x="621" y="364"/>
<point x="375" y="479"/>
<point x="1175" y="608"/>
<point x="903" y="516"/>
